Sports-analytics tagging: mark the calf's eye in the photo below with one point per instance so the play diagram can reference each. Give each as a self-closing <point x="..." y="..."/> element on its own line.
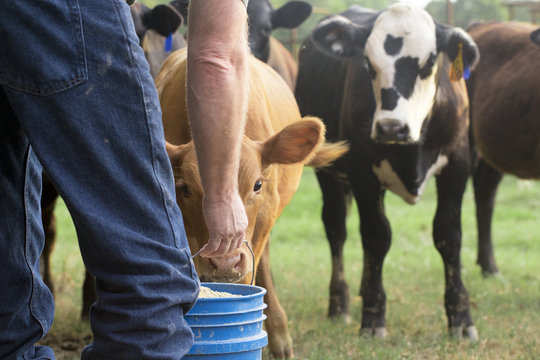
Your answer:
<point x="183" y="189"/>
<point x="258" y="186"/>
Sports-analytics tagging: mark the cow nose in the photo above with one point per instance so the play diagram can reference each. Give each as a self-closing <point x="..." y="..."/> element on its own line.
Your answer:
<point x="392" y="131"/>
<point x="228" y="262"/>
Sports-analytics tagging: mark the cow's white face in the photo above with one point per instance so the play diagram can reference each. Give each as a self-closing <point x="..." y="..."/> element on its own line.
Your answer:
<point x="401" y="53"/>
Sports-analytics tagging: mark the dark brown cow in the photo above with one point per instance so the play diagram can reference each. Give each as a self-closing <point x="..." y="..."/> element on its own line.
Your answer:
<point x="277" y="144"/>
<point x="380" y="80"/>
<point x="504" y="92"/>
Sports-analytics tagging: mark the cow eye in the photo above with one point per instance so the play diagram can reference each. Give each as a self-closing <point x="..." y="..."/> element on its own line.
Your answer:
<point x="184" y="189"/>
<point x="258" y="186"/>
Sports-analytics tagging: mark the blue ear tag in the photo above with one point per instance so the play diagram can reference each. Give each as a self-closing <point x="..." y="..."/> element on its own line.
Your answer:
<point x="168" y="43"/>
<point x="466" y="72"/>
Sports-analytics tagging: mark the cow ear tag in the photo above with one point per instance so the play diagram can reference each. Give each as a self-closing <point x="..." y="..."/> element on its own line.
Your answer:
<point x="466" y="72"/>
<point x="456" y="70"/>
<point x="168" y="43"/>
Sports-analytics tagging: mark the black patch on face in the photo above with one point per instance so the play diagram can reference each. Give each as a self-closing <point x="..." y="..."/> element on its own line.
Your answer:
<point x="407" y="70"/>
<point x="393" y="45"/>
<point x="371" y="71"/>
<point x="389" y="99"/>
<point x="427" y="69"/>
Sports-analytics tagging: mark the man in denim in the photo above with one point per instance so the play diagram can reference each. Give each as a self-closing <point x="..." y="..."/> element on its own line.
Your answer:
<point x="76" y="97"/>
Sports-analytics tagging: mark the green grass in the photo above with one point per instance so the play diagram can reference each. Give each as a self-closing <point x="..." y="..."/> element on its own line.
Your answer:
<point x="506" y="309"/>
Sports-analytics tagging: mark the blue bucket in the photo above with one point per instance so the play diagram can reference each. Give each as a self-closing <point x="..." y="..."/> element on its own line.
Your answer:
<point x="228" y="327"/>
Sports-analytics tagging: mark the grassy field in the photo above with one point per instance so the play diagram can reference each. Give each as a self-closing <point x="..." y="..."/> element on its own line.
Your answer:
<point x="506" y="309"/>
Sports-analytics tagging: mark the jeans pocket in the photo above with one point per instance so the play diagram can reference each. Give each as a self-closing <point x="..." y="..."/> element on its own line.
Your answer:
<point x="42" y="46"/>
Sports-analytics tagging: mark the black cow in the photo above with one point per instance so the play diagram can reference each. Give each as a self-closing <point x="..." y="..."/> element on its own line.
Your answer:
<point x="263" y="19"/>
<point x="380" y="80"/>
<point x="505" y="115"/>
<point x="157" y="31"/>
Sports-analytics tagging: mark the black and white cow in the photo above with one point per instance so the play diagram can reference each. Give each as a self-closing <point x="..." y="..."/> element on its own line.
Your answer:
<point x="380" y="80"/>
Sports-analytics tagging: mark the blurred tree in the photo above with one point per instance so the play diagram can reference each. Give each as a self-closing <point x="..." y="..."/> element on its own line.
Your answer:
<point x="152" y="3"/>
<point x="466" y="11"/>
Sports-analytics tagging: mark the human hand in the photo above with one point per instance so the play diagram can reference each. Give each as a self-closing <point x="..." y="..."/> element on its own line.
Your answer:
<point x="227" y="223"/>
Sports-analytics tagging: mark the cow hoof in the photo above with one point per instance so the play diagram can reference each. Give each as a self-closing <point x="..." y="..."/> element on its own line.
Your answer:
<point x="344" y="318"/>
<point x="471" y="333"/>
<point x="281" y="348"/>
<point x="489" y="273"/>
<point x="378" y="332"/>
<point x="459" y="332"/>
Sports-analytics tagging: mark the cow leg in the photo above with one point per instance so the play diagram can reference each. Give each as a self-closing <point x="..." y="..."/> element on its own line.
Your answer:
<point x="376" y="239"/>
<point x="48" y="202"/>
<point x="336" y="201"/>
<point x="486" y="180"/>
<point x="451" y="185"/>
<point x="279" y="339"/>
<point x="88" y="294"/>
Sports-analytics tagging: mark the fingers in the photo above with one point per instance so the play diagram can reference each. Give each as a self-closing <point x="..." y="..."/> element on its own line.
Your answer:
<point x="227" y="224"/>
<point x="218" y="247"/>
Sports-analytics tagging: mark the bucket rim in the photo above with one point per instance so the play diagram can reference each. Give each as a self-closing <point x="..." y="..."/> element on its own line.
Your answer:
<point x="260" y="291"/>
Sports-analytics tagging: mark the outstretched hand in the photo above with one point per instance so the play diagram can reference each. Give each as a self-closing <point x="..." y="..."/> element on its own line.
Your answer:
<point x="227" y="224"/>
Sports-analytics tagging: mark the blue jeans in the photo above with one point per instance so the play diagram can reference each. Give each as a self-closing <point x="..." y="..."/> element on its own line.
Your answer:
<point x="77" y="98"/>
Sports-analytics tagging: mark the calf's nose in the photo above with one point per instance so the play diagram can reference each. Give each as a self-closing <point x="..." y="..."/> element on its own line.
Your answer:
<point x="227" y="262"/>
<point x="389" y="131"/>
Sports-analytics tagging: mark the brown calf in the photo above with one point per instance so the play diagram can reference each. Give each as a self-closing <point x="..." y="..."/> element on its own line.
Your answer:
<point x="277" y="144"/>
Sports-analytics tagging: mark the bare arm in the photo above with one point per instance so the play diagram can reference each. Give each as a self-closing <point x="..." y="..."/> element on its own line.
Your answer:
<point x="217" y="102"/>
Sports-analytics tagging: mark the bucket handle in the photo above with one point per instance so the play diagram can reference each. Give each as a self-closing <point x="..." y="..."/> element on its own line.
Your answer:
<point x="252" y="262"/>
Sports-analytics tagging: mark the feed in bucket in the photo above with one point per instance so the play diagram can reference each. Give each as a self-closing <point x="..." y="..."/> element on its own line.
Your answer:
<point x="206" y="292"/>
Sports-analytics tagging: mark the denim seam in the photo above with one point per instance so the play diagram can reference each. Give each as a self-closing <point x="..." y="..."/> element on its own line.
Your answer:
<point x="33" y="311"/>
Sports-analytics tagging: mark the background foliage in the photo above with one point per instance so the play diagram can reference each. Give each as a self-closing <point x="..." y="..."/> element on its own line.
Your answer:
<point x="465" y="11"/>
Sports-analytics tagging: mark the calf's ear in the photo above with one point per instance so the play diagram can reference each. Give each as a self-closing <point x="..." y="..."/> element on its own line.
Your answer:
<point x="449" y="40"/>
<point x="295" y="143"/>
<point x="291" y="15"/>
<point x="164" y="19"/>
<point x="176" y="155"/>
<point x="338" y="36"/>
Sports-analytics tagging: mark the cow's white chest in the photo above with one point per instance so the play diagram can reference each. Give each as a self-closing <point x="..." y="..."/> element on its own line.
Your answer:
<point x="391" y="181"/>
